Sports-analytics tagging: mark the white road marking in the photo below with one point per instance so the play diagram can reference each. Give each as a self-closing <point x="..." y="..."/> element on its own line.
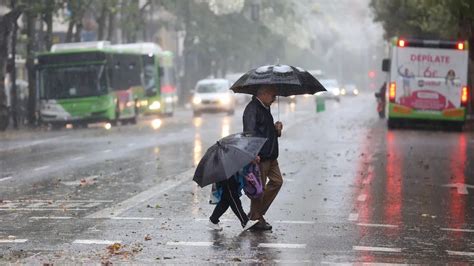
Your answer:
<point x="40" y="209"/>
<point x="32" y="143"/>
<point x="460" y="253"/>
<point x="362" y="197"/>
<point x="132" y="218"/>
<point x="458" y="230"/>
<point x="155" y="191"/>
<point x="462" y="188"/>
<point x="50" y="217"/>
<point x="41" y="168"/>
<point x="95" y="242"/>
<point x="281" y="245"/>
<point x="294" y="222"/>
<point x="5" y="178"/>
<point x="6" y="241"/>
<point x="106" y="151"/>
<point x="353" y="217"/>
<point x="77" y="158"/>
<point x="378" y="225"/>
<point x="378" y="249"/>
<point x="49" y="205"/>
<point x="277" y="222"/>
<point x="194" y="244"/>
<point x="289" y="180"/>
<point x="285" y="262"/>
<point x="363" y="263"/>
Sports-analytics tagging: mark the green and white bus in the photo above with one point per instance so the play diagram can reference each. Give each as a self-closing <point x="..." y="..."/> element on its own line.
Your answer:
<point x="159" y="76"/>
<point x="81" y="83"/>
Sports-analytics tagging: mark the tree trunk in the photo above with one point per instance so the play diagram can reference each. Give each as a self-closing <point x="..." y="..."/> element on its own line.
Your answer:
<point x="48" y="19"/>
<point x="31" y="48"/>
<point x="6" y="24"/>
<point x="13" y="93"/>
<point x="101" y="21"/>
<point x="77" y="34"/>
<point x="70" y="28"/>
<point x="111" y="28"/>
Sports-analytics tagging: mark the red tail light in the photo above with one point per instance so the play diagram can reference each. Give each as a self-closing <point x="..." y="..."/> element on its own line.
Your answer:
<point x="392" y="91"/>
<point x="401" y="43"/>
<point x="168" y="89"/>
<point x="460" y="46"/>
<point x="464" y="96"/>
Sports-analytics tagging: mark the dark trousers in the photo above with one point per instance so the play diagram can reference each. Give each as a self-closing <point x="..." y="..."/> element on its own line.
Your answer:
<point x="230" y="197"/>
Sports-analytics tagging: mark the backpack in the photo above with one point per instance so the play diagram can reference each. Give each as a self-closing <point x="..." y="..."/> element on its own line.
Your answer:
<point x="252" y="183"/>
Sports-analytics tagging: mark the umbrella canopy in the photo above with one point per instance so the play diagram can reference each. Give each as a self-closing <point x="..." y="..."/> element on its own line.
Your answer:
<point x="226" y="157"/>
<point x="288" y="80"/>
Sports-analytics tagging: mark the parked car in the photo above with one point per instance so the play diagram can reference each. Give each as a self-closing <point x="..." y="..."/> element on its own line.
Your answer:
<point x="213" y="95"/>
<point x="350" y="90"/>
<point x="333" y="89"/>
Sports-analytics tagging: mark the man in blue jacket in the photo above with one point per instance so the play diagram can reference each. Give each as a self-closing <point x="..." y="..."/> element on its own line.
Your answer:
<point x="258" y="120"/>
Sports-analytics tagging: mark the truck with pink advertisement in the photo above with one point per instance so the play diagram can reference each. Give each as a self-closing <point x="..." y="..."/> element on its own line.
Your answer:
<point x="426" y="81"/>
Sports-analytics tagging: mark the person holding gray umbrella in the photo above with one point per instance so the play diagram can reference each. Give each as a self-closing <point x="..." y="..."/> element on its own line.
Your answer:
<point x="226" y="163"/>
<point x="265" y="83"/>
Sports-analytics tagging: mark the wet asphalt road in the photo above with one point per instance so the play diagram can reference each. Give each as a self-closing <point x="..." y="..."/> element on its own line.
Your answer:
<point x="353" y="192"/>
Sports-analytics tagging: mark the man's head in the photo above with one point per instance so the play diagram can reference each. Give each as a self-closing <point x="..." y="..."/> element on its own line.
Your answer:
<point x="267" y="94"/>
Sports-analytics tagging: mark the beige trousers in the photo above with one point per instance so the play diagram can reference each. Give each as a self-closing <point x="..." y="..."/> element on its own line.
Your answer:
<point x="268" y="169"/>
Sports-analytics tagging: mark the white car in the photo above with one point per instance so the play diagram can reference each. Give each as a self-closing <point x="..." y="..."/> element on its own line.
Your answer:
<point x="213" y="95"/>
<point x="350" y="90"/>
<point x="332" y="87"/>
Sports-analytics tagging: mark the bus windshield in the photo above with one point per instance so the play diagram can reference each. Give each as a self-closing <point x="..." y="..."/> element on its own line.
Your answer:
<point x="73" y="82"/>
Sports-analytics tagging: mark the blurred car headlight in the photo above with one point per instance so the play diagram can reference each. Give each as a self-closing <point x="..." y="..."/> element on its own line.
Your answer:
<point x="155" y="105"/>
<point x="356" y="92"/>
<point x="168" y="99"/>
<point x="197" y="100"/>
<point x="225" y="99"/>
<point x="292" y="96"/>
<point x="343" y="91"/>
<point x="336" y="91"/>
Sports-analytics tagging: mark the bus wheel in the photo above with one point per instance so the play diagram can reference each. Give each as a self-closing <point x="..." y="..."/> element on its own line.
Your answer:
<point x="134" y="119"/>
<point x="391" y="124"/>
<point x="80" y="125"/>
<point x="114" y="122"/>
<point x="57" y="126"/>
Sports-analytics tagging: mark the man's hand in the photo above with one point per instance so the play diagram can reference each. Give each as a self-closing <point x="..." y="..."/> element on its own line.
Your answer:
<point x="278" y="127"/>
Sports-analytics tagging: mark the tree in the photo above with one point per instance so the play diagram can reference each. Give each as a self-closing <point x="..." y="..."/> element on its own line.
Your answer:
<point x="6" y="25"/>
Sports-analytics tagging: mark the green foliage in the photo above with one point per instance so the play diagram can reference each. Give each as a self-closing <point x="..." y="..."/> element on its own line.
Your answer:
<point x="442" y="19"/>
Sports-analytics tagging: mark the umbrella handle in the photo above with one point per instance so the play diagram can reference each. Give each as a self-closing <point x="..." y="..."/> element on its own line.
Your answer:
<point x="278" y="97"/>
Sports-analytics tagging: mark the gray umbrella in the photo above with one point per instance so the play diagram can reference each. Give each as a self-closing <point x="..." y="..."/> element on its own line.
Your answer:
<point x="227" y="157"/>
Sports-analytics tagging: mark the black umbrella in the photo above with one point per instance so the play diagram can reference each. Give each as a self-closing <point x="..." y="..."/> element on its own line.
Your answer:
<point x="288" y="80"/>
<point x="227" y="157"/>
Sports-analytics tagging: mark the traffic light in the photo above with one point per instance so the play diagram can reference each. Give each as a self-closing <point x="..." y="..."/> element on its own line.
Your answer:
<point x="371" y="74"/>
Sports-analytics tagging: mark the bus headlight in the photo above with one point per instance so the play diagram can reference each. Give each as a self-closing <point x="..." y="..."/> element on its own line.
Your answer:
<point x="196" y="100"/>
<point x="155" y="105"/>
